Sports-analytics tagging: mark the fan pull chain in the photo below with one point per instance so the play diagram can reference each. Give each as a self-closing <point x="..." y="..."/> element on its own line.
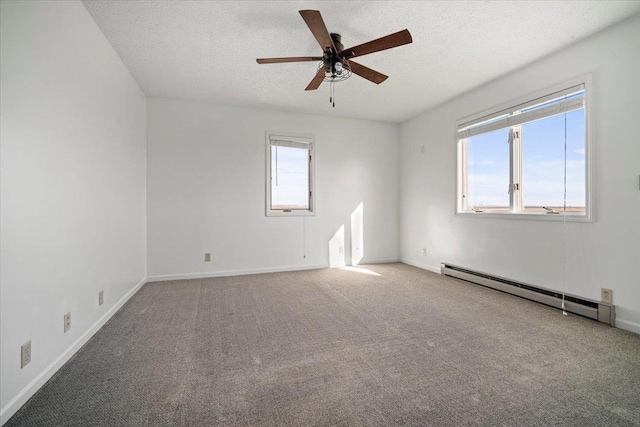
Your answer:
<point x="332" y="94"/>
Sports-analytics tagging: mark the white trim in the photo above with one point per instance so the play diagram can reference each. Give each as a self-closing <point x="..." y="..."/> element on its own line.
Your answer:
<point x="30" y="389"/>
<point x="224" y="273"/>
<point x="628" y="325"/>
<point x="340" y="264"/>
<point x="460" y="201"/>
<point x="569" y="216"/>
<point x="377" y="261"/>
<point x="294" y="140"/>
<point x="420" y="265"/>
<point x="294" y="212"/>
<point x="589" y="152"/>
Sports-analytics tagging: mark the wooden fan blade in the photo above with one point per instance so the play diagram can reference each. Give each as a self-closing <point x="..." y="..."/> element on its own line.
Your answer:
<point x="317" y="80"/>
<point x="387" y="42"/>
<point x="291" y="59"/>
<point x="367" y="73"/>
<point x="318" y="28"/>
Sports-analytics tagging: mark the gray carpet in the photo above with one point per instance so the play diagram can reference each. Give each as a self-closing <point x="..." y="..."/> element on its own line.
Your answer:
<point x="336" y="347"/>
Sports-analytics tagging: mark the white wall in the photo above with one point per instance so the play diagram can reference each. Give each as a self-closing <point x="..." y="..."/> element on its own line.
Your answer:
<point x="73" y="218"/>
<point x="206" y="190"/>
<point x="605" y="253"/>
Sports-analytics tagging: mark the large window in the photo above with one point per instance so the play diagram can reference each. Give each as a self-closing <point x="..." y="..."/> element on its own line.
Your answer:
<point x="289" y="175"/>
<point x="529" y="159"/>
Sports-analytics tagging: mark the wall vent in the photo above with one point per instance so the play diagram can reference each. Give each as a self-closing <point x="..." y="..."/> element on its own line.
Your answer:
<point x="596" y="310"/>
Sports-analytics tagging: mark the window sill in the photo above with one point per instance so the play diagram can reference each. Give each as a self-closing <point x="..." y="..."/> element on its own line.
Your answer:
<point x="527" y="216"/>
<point x="292" y="213"/>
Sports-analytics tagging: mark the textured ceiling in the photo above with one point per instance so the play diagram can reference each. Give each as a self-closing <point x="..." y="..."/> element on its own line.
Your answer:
<point x="206" y="50"/>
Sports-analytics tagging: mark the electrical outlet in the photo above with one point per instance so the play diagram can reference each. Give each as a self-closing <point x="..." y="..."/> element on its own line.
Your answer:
<point x="340" y="250"/>
<point x="422" y="149"/>
<point x="207" y="257"/>
<point x="606" y="295"/>
<point x="67" y="322"/>
<point x="100" y="297"/>
<point x="25" y="354"/>
<point x="424" y="251"/>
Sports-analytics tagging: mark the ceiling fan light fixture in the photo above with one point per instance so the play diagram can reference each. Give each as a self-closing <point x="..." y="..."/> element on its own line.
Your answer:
<point x="336" y="73"/>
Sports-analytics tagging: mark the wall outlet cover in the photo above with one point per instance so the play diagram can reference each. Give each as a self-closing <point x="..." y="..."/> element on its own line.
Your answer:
<point x="100" y="297"/>
<point x="25" y="354"/>
<point x="606" y="295"/>
<point x="207" y="257"/>
<point x="67" y="322"/>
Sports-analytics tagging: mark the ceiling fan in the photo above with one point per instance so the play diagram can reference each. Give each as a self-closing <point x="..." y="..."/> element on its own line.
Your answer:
<point x="337" y="62"/>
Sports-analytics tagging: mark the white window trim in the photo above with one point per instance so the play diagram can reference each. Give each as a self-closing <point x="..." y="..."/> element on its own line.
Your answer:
<point x="298" y="140"/>
<point x="496" y="111"/>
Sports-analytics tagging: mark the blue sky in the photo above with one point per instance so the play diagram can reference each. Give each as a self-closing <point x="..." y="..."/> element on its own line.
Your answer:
<point x="543" y="164"/>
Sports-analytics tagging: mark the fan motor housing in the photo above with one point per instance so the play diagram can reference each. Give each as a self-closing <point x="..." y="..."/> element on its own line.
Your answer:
<point x="337" y="41"/>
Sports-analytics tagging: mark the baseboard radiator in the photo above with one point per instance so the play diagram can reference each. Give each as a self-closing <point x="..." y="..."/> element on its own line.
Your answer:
<point x="597" y="310"/>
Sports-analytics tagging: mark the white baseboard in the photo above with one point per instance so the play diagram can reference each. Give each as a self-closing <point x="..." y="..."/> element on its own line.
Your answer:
<point x="30" y="389"/>
<point x="628" y="325"/>
<point x="364" y="262"/>
<point x="420" y="265"/>
<point x="224" y="273"/>
<point x="208" y="274"/>
<point x="378" y="261"/>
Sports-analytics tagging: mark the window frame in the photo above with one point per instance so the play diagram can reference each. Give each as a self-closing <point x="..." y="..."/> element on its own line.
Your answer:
<point x="294" y="139"/>
<point x="515" y="157"/>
